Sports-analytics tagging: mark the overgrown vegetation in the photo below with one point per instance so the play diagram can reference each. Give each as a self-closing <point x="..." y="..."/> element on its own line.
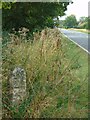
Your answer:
<point x="57" y="76"/>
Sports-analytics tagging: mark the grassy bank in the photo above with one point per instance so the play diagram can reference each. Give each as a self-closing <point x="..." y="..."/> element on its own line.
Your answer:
<point x="57" y="77"/>
<point x="81" y="30"/>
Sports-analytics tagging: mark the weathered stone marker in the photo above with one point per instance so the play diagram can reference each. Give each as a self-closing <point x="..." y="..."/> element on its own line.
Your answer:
<point x="18" y="85"/>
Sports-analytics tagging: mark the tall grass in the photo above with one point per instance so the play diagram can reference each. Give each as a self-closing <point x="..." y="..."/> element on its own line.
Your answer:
<point x="54" y="89"/>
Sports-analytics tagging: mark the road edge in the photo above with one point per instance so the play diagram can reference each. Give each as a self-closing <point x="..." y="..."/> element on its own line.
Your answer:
<point x="74" y="42"/>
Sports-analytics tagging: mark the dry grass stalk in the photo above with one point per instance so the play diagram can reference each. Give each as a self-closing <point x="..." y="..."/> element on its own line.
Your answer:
<point x="36" y="36"/>
<point x="43" y="34"/>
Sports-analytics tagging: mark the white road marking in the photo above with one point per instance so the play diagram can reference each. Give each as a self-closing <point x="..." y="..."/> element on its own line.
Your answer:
<point x="76" y="43"/>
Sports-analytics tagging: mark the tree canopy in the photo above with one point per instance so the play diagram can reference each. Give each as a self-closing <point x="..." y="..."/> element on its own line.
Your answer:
<point x="84" y="23"/>
<point x="31" y="14"/>
<point x="70" y="21"/>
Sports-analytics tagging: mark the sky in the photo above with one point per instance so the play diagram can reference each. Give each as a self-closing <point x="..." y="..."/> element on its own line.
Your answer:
<point x="79" y="8"/>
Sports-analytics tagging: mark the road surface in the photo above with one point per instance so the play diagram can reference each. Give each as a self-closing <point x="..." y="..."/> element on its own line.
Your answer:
<point x="79" y="38"/>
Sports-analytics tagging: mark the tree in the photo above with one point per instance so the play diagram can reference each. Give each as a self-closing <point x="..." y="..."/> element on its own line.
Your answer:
<point x="88" y="23"/>
<point x="61" y="23"/>
<point x="31" y="14"/>
<point x="84" y="23"/>
<point x="83" y="19"/>
<point x="70" y="21"/>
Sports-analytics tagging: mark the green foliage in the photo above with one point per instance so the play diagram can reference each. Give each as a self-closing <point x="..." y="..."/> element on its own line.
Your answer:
<point x="31" y="14"/>
<point x="61" y="23"/>
<point x="49" y="22"/>
<point x="84" y="23"/>
<point x="83" y="19"/>
<point x="0" y="4"/>
<point x="88" y="23"/>
<point x="70" y="21"/>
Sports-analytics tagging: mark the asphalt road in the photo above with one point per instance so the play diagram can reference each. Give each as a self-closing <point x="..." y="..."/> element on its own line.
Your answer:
<point x="79" y="38"/>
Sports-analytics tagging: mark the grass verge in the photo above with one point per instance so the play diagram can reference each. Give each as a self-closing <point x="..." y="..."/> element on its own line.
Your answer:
<point x="57" y="77"/>
<point x="81" y="30"/>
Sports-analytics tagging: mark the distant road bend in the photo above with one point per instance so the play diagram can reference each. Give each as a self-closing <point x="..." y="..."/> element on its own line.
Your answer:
<point x="79" y="38"/>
